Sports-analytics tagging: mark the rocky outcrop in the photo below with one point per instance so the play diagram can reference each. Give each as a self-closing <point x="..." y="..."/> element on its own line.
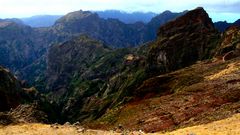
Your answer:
<point x="182" y="42"/>
<point x="230" y="45"/>
<point x="28" y="113"/>
<point x="159" y="20"/>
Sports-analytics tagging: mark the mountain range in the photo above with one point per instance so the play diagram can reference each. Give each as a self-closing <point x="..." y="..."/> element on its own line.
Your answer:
<point x="177" y="70"/>
<point x="36" y="41"/>
<point x="41" y="20"/>
<point x="125" y="17"/>
<point x="223" y="25"/>
<point x="49" y="20"/>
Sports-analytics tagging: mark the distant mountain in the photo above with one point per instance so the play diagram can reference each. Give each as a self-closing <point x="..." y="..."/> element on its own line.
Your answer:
<point x="16" y="20"/>
<point x="113" y="32"/>
<point x="223" y="25"/>
<point x="237" y="22"/>
<point x="49" y="20"/>
<point x="41" y="20"/>
<point x="126" y="17"/>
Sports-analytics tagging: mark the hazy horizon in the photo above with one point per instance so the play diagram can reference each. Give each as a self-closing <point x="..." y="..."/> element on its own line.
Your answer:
<point x="218" y="10"/>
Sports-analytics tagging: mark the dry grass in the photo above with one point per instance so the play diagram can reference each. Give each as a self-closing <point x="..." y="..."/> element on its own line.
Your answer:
<point x="43" y="129"/>
<point x="232" y="67"/>
<point x="229" y="126"/>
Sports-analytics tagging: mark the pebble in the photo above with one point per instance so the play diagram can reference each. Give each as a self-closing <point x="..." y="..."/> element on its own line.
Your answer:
<point x="81" y="130"/>
<point x="67" y="124"/>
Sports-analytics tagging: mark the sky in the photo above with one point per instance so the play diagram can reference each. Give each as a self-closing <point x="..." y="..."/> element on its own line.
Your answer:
<point x="219" y="10"/>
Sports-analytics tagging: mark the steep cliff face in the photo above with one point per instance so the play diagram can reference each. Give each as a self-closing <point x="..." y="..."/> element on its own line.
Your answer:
<point x="182" y="42"/>
<point x="10" y="90"/>
<point x="159" y="20"/>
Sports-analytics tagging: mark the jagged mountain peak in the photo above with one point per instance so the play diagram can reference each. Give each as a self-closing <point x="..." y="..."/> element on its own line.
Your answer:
<point x="183" y="41"/>
<point x="193" y="17"/>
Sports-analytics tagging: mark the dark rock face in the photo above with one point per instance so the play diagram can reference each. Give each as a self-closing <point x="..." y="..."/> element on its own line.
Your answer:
<point x="182" y="42"/>
<point x="13" y="92"/>
<point x="10" y="90"/>
<point x="19" y="104"/>
<point x="161" y="19"/>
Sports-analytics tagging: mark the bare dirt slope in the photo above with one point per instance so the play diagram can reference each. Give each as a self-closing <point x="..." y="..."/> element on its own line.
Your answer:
<point x="205" y="92"/>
